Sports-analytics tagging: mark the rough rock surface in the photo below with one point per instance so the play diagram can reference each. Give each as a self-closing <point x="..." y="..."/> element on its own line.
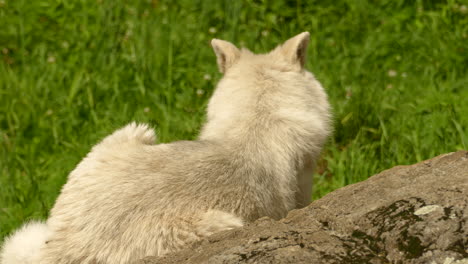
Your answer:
<point x="407" y="214"/>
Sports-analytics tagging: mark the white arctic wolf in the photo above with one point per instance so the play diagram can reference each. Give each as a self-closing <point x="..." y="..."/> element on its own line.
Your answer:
<point x="129" y="198"/>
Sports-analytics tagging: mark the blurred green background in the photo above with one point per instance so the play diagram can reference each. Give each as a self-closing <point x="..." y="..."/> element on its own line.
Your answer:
<point x="71" y="72"/>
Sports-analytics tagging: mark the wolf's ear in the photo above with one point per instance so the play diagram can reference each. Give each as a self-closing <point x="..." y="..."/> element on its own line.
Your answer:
<point x="226" y="54"/>
<point x="295" y="49"/>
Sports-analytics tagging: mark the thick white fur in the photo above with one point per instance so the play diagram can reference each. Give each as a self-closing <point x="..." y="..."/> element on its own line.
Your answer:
<point x="129" y="198"/>
<point x="24" y="245"/>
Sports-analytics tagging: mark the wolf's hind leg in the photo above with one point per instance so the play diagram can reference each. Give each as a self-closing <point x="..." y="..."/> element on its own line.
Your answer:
<point x="214" y="221"/>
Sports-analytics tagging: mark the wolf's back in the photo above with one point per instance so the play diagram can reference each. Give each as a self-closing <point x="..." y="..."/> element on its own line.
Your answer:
<point x="25" y="244"/>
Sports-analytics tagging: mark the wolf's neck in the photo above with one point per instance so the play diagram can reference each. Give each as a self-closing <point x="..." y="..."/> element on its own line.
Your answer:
<point x="268" y="157"/>
<point x="264" y="142"/>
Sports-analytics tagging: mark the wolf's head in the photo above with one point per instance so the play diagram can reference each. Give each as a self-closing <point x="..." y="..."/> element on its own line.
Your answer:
<point x="263" y="91"/>
<point x="291" y="56"/>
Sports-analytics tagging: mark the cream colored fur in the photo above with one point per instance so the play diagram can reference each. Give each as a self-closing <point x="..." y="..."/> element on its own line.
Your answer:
<point x="25" y="245"/>
<point x="129" y="198"/>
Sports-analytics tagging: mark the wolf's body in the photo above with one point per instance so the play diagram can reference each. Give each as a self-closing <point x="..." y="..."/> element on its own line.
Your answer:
<point x="129" y="198"/>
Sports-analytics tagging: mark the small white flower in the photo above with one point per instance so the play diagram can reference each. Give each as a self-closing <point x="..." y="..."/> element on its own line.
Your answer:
<point x="392" y="73"/>
<point x="389" y="86"/>
<point x="200" y="92"/>
<point x="133" y="58"/>
<point x="65" y="45"/>
<point x="212" y="30"/>
<point x="146" y="109"/>
<point x="349" y="93"/>
<point x="265" y="33"/>
<point x="128" y="34"/>
<point x="51" y="59"/>
<point x="49" y="112"/>
<point x="206" y="76"/>
<point x="463" y="9"/>
<point x="131" y="10"/>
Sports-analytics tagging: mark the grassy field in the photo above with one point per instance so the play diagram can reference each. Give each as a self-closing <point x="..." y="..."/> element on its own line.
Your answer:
<point x="71" y="72"/>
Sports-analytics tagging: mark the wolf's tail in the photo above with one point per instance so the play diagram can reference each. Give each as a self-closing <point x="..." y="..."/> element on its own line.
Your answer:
<point x="24" y="245"/>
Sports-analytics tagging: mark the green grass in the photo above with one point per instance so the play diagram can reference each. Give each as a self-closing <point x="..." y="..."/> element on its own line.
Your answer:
<point x="71" y="72"/>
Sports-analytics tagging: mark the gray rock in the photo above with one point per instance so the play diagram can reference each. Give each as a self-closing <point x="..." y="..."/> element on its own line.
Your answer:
<point x="407" y="214"/>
